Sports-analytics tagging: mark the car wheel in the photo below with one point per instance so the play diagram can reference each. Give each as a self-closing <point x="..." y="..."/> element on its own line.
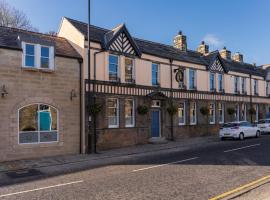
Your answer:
<point x="258" y="134"/>
<point x="241" y="136"/>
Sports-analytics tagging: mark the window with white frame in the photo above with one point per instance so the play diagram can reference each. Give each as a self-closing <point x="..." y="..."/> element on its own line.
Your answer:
<point x="38" y="123"/>
<point x="113" y="113"/>
<point x="236" y="113"/>
<point x="45" y="57"/>
<point x="192" y="113"/>
<point x="129" y="70"/>
<point x="192" y="79"/>
<point x="113" y="67"/>
<point x="236" y="84"/>
<point x="221" y="113"/>
<point x="244" y="112"/>
<point x="155" y="74"/>
<point x="257" y="112"/>
<point x="243" y="85"/>
<point x="38" y="56"/>
<point x="181" y="114"/>
<point x="212" y="81"/>
<point x="129" y="113"/>
<point x="255" y="86"/>
<point x="29" y="55"/>
<point x="212" y="113"/>
<point x="220" y="82"/>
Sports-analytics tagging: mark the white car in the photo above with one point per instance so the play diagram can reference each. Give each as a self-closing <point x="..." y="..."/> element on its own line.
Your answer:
<point x="264" y="125"/>
<point x="238" y="130"/>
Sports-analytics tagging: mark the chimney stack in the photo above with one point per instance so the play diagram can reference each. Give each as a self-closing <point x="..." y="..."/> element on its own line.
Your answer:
<point x="238" y="57"/>
<point x="180" y="41"/>
<point x="224" y="53"/>
<point x="203" y="48"/>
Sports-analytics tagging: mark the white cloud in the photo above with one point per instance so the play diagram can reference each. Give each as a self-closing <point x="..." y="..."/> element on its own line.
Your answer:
<point x="213" y="41"/>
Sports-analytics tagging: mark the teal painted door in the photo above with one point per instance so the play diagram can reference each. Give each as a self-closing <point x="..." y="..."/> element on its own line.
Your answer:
<point x="155" y="123"/>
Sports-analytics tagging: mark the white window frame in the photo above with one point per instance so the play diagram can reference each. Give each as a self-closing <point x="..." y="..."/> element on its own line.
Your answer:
<point x="195" y="117"/>
<point x="24" y="55"/>
<point x="222" y="110"/>
<point x="195" y="79"/>
<point x="37" y="56"/>
<point x="214" y="113"/>
<point x="158" y="74"/>
<point x="117" y="114"/>
<point x="214" y="79"/>
<point x="237" y="113"/>
<point x="245" y="111"/>
<point x="57" y="121"/>
<point x="133" y="114"/>
<point x="133" y="69"/>
<point x="222" y="79"/>
<point x="257" y="112"/>
<point x="236" y="83"/>
<point x="184" y="114"/>
<point x="118" y="67"/>
<point x="255" y="86"/>
<point x="243" y="80"/>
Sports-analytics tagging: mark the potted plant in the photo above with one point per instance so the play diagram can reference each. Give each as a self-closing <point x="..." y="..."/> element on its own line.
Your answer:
<point x="172" y="110"/>
<point x="205" y="112"/>
<point x="142" y="109"/>
<point x="95" y="109"/>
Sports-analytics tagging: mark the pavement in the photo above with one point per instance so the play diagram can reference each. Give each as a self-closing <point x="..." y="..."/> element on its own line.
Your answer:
<point x="198" y="168"/>
<point x="178" y="145"/>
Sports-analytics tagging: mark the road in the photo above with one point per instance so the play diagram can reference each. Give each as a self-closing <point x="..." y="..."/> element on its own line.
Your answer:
<point x="200" y="173"/>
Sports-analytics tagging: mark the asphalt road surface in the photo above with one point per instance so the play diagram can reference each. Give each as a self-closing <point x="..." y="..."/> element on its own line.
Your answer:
<point x="200" y="173"/>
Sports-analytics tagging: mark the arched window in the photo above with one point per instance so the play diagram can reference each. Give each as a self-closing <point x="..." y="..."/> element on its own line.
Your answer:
<point x="38" y="123"/>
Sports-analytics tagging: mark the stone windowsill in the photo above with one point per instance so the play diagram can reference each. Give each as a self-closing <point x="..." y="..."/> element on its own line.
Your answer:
<point x="38" y="69"/>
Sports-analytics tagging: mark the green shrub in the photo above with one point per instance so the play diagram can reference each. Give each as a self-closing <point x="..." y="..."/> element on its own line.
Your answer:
<point x="142" y="109"/>
<point x="172" y="110"/>
<point x="204" y="110"/>
<point x="95" y="109"/>
<point x="231" y="111"/>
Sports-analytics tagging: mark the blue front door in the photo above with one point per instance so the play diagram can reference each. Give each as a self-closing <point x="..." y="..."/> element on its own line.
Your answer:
<point x="155" y="126"/>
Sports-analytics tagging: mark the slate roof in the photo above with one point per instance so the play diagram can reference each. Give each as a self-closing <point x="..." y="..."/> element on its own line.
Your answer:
<point x="97" y="34"/>
<point x="11" y="38"/>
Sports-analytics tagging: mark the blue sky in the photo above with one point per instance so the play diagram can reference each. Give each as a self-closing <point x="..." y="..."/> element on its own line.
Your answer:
<point x="240" y="25"/>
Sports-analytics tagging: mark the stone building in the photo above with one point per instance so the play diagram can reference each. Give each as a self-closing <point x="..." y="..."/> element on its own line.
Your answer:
<point x="40" y="95"/>
<point x="130" y="76"/>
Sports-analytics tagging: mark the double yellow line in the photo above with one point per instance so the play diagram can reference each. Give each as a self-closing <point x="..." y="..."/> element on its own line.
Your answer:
<point x="241" y="188"/>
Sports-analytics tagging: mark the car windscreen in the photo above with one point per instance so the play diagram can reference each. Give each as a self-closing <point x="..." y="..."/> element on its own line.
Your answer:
<point x="230" y="125"/>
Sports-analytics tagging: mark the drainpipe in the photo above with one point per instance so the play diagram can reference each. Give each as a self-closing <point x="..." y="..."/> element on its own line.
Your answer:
<point x="80" y="99"/>
<point x="89" y="77"/>
<point x="171" y="99"/>
<point x="94" y="139"/>
<point x="250" y="96"/>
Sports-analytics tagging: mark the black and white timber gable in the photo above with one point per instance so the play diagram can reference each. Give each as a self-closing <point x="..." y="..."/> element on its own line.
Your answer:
<point x="119" y="40"/>
<point x="216" y="66"/>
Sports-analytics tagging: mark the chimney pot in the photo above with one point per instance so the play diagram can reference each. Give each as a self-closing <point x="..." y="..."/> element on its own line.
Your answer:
<point x="203" y="48"/>
<point x="238" y="57"/>
<point x="224" y="53"/>
<point x="180" y="41"/>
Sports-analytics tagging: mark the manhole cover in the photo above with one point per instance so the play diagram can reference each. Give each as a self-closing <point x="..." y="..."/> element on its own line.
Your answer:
<point x="24" y="173"/>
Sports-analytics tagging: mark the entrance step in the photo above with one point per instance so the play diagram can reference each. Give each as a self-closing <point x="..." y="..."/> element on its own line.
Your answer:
<point x="157" y="140"/>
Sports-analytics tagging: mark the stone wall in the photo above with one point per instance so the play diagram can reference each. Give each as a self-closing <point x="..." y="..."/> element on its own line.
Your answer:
<point x="120" y="137"/>
<point x="26" y="87"/>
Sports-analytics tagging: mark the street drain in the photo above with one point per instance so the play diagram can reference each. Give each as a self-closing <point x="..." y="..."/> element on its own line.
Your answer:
<point x="24" y="173"/>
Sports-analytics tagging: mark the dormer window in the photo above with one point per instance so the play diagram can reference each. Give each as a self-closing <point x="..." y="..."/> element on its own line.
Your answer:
<point x="45" y="57"/>
<point x="38" y="56"/>
<point x="29" y="55"/>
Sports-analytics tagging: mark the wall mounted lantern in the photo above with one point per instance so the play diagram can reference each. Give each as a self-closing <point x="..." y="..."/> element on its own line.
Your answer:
<point x="73" y="94"/>
<point x="4" y="91"/>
